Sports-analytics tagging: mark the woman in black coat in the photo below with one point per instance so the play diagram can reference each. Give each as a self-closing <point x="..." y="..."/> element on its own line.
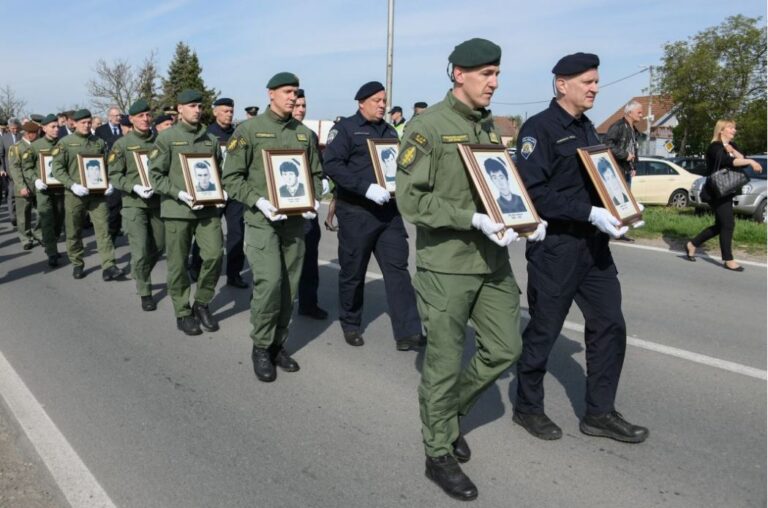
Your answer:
<point x="722" y="153"/>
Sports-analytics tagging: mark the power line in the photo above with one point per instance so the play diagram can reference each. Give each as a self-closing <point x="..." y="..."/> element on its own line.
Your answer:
<point x="547" y="100"/>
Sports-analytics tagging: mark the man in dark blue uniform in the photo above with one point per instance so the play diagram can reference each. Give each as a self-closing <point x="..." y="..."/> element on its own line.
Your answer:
<point x="222" y="128"/>
<point x="310" y="274"/>
<point x="574" y="262"/>
<point x="369" y="222"/>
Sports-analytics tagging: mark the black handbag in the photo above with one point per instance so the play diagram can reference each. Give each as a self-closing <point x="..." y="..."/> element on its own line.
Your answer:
<point x="727" y="181"/>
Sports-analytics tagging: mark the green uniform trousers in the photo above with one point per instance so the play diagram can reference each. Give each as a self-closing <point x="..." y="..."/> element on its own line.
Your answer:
<point x="50" y="214"/>
<point x="76" y="208"/>
<point x="146" y="237"/>
<point x="178" y="239"/>
<point x="446" y="303"/>
<point x="275" y="252"/>
<point x="24" y="207"/>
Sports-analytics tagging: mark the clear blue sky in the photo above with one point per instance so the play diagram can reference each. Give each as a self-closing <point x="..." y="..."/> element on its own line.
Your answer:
<point x="336" y="45"/>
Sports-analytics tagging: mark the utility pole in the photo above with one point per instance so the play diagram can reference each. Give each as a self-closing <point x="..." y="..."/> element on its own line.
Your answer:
<point x="390" y="51"/>
<point x="649" y="118"/>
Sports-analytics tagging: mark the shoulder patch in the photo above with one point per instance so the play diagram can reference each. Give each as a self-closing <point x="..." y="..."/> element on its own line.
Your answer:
<point x="56" y="151"/>
<point x="455" y="138"/>
<point x="494" y="137"/>
<point x="528" y="146"/>
<point x="232" y="144"/>
<point x="153" y="154"/>
<point x="407" y="157"/>
<point x="301" y="137"/>
<point x="331" y="135"/>
<point x="25" y="156"/>
<point x="112" y="157"/>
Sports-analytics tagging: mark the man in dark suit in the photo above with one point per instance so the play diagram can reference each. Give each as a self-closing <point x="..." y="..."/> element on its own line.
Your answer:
<point x="111" y="132"/>
<point x="66" y="123"/>
<point x="9" y="139"/>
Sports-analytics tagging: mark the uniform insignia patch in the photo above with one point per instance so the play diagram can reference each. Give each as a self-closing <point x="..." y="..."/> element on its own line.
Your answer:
<point x="232" y="144"/>
<point x="112" y="157"/>
<point x="134" y="147"/>
<point x="301" y="137"/>
<point x="420" y="139"/>
<point x="179" y="143"/>
<point x="73" y="144"/>
<point x="563" y="140"/>
<point x="455" y="138"/>
<point x="265" y="135"/>
<point x="529" y="145"/>
<point x="208" y="142"/>
<point x="55" y="151"/>
<point x="25" y="156"/>
<point x="153" y="153"/>
<point x="407" y="157"/>
<point x="241" y="142"/>
<point x="331" y="135"/>
<point x="494" y="137"/>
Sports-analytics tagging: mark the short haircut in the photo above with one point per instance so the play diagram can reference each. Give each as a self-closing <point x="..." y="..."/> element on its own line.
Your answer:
<point x="495" y="166"/>
<point x="289" y="167"/>
<point x="202" y="165"/>
<point x="604" y="166"/>
<point x="92" y="164"/>
<point x="388" y="153"/>
<point x="631" y="105"/>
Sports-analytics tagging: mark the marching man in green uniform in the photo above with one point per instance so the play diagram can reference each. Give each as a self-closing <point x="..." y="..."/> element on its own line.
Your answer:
<point x="141" y="208"/>
<point x="463" y="271"/>
<point x="183" y="219"/>
<point x="50" y="201"/>
<point x="78" y="201"/>
<point x="24" y="188"/>
<point x="274" y="243"/>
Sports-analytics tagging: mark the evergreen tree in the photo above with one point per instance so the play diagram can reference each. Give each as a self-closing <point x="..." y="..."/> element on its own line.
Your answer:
<point x="185" y="72"/>
<point x="148" y="80"/>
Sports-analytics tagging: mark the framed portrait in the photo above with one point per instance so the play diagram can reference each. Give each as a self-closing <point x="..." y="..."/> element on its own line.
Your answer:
<point x="141" y="158"/>
<point x="289" y="182"/>
<point x="384" y="159"/>
<point x="500" y="187"/>
<point x="202" y="178"/>
<point x="608" y="179"/>
<point x="93" y="172"/>
<point x="45" y="161"/>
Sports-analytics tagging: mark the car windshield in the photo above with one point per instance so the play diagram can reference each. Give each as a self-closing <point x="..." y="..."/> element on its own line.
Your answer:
<point x="751" y="173"/>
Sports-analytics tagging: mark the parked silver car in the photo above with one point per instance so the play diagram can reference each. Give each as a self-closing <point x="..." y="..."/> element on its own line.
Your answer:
<point x="751" y="201"/>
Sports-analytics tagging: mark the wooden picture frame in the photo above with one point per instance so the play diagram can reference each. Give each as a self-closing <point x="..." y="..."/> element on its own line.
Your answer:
<point x="608" y="179"/>
<point x="202" y="178"/>
<point x="141" y="159"/>
<point x="384" y="159"/>
<point x="44" y="162"/>
<point x="289" y="183"/>
<point x="495" y="176"/>
<point x="93" y="172"/>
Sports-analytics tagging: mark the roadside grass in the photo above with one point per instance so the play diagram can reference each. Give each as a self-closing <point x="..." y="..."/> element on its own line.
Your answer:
<point x="678" y="226"/>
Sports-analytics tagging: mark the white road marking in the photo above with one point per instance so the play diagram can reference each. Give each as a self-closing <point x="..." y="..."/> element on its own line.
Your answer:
<point x="72" y="476"/>
<point x="639" y="343"/>
<point x="679" y="252"/>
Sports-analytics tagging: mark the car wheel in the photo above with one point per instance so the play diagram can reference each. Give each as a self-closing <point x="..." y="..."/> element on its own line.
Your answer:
<point x="759" y="214"/>
<point x="678" y="199"/>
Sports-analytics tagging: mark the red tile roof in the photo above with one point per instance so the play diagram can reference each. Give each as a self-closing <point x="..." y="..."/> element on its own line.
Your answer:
<point x="660" y="107"/>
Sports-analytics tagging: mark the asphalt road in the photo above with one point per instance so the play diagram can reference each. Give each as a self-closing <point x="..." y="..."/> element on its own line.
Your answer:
<point x="164" y="420"/>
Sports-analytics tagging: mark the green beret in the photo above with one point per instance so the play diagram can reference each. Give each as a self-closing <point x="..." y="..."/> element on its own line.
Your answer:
<point x="474" y="53"/>
<point x="140" y="106"/>
<point x="48" y="119"/>
<point x="283" y="79"/>
<point x="189" y="97"/>
<point x="36" y="118"/>
<point x="80" y="114"/>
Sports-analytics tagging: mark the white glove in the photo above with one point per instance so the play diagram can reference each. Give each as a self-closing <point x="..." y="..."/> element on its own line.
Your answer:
<point x="607" y="223"/>
<point x="79" y="190"/>
<point x="109" y="190"/>
<point x="226" y="198"/>
<point x="638" y="224"/>
<point x="187" y="199"/>
<point x="311" y="215"/>
<point x="143" y="192"/>
<point x="540" y="234"/>
<point x="490" y="229"/>
<point x="377" y="194"/>
<point x="269" y="210"/>
<point x="40" y="185"/>
<point x="641" y="207"/>
<point x="326" y="186"/>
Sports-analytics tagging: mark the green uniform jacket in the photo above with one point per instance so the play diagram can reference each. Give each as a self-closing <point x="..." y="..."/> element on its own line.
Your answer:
<point x="65" y="154"/>
<point x="30" y="167"/>
<point x="17" y="155"/>
<point x="243" y="175"/>
<point x="123" y="172"/>
<point x="435" y="192"/>
<point x="165" y="170"/>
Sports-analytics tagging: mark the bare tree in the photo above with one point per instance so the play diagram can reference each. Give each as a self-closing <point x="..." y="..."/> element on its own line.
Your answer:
<point x="115" y="84"/>
<point x="10" y="103"/>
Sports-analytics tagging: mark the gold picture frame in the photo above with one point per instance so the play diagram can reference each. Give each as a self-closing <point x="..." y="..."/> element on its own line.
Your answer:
<point x="93" y="172"/>
<point x="289" y="182"/>
<point x="44" y="162"/>
<point x="141" y="159"/>
<point x="202" y="178"/>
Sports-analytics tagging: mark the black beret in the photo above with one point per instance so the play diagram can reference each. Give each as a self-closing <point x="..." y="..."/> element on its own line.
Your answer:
<point x="419" y="104"/>
<point x="124" y="120"/>
<point x="368" y="89"/>
<point x="140" y="106"/>
<point x="161" y="118"/>
<point x="48" y="119"/>
<point x="224" y="102"/>
<point x="300" y="93"/>
<point x="396" y="109"/>
<point x="474" y="53"/>
<point x="252" y="110"/>
<point x="80" y="114"/>
<point x="575" y="64"/>
<point x="283" y="79"/>
<point x="189" y="96"/>
<point x="170" y="110"/>
<point x="36" y="118"/>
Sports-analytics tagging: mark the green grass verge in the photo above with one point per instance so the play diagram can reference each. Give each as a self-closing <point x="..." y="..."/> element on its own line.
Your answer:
<point x="680" y="225"/>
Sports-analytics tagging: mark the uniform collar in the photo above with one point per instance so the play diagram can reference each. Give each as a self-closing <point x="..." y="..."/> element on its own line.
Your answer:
<point x="192" y="129"/>
<point x="361" y="120"/>
<point x="464" y="110"/>
<point x="85" y="136"/>
<point x="565" y="117"/>
<point x="278" y="119"/>
<point x="145" y="137"/>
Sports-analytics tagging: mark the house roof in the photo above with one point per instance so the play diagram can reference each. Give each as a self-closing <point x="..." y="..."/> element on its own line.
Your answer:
<point x="660" y="108"/>
<point x="505" y="126"/>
